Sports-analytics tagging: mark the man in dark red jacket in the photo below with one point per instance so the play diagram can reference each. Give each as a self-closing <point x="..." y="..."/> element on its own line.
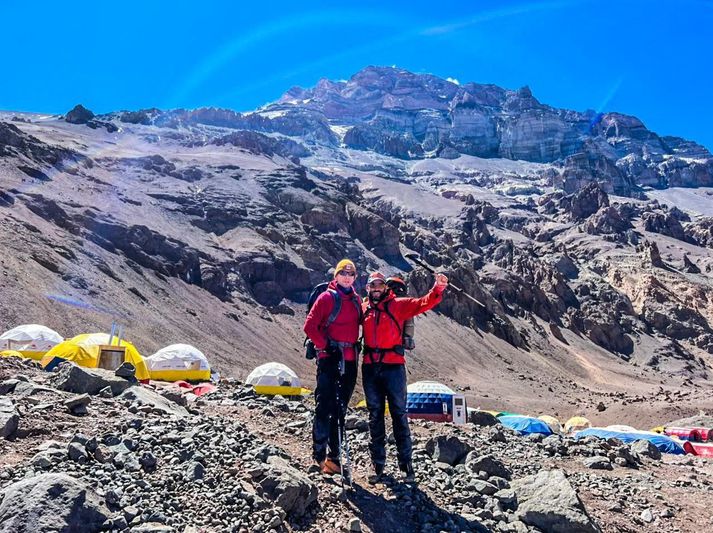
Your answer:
<point x="383" y="370"/>
<point x="333" y="326"/>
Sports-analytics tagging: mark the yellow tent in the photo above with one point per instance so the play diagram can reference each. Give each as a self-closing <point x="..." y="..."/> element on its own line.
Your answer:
<point x="552" y="422"/>
<point x="11" y="353"/>
<point x="178" y="362"/>
<point x="361" y="404"/>
<point x="84" y="350"/>
<point x="576" y="423"/>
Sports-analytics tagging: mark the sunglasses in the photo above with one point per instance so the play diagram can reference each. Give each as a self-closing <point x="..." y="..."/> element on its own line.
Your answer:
<point x="377" y="284"/>
<point x="348" y="274"/>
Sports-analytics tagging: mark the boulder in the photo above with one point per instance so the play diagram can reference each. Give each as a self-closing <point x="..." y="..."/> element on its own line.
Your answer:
<point x="598" y="462"/>
<point x="9" y="418"/>
<point x="74" y="378"/>
<point x="288" y="487"/>
<point x="77" y="405"/>
<point x="488" y="464"/>
<point x="50" y="502"/>
<point x="547" y="501"/>
<point x="482" y="418"/>
<point x="450" y="450"/>
<point x="646" y="448"/>
<point x="153" y="400"/>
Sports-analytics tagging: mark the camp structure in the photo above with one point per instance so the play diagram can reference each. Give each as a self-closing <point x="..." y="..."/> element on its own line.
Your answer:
<point x="695" y="434"/>
<point x="275" y="378"/>
<point x="576" y="423"/>
<point x="31" y="340"/>
<point x="178" y="362"/>
<point x="525" y="425"/>
<point x="430" y="400"/>
<point x="664" y="443"/>
<point x="702" y="449"/>
<point x="93" y="350"/>
<point x="552" y="422"/>
<point x="11" y="353"/>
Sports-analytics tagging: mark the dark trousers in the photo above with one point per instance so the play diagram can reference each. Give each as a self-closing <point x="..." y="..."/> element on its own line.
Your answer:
<point x="384" y="382"/>
<point x="325" y="440"/>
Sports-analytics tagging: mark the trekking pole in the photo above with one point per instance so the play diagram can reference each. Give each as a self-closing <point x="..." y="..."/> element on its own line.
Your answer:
<point x="416" y="259"/>
<point x="344" y="459"/>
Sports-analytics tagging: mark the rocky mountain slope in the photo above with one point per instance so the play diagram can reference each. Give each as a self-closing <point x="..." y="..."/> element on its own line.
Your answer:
<point x="86" y="450"/>
<point x="210" y="227"/>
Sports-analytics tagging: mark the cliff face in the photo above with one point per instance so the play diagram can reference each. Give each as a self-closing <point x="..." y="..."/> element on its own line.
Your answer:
<point x="211" y="227"/>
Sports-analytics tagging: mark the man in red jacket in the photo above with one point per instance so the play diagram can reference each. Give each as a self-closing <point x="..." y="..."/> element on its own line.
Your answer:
<point x="383" y="370"/>
<point x="333" y="326"/>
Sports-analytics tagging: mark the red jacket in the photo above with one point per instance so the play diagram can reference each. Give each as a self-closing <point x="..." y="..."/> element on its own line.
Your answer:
<point x="345" y="327"/>
<point x="380" y="331"/>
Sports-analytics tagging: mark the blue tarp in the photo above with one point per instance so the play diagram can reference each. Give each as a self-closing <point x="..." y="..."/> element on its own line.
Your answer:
<point x="525" y="425"/>
<point x="664" y="443"/>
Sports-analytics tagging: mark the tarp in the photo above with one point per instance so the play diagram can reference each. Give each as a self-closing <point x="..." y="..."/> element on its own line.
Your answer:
<point x="429" y="400"/>
<point x="662" y="442"/>
<point x="275" y="378"/>
<point x="178" y="362"/>
<point x="199" y="390"/>
<point x="525" y="425"/>
<point x="31" y="340"/>
<point x="84" y="351"/>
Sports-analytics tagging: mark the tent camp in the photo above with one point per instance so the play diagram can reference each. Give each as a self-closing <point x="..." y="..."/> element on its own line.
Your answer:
<point x="275" y="378"/>
<point x="178" y="362"/>
<point x="11" y="353"/>
<point x="525" y="425"/>
<point x="662" y="442"/>
<point x="31" y="340"/>
<point x="85" y="350"/>
<point x="576" y="423"/>
<point x="430" y="400"/>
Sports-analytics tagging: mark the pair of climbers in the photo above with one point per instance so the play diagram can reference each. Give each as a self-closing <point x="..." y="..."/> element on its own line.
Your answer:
<point x="332" y="325"/>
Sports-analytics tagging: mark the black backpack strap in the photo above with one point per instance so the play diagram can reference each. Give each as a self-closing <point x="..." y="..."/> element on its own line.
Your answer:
<point x="336" y="307"/>
<point x="392" y="317"/>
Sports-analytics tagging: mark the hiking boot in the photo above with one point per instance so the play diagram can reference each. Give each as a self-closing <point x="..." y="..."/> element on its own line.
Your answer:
<point x="409" y="474"/>
<point x="378" y="475"/>
<point x="330" y="467"/>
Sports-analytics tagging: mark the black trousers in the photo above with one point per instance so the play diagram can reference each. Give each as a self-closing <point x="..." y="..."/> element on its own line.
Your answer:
<point x="384" y="382"/>
<point x="325" y="440"/>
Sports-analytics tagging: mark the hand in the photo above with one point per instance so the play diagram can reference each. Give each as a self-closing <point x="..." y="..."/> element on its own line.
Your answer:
<point x="441" y="281"/>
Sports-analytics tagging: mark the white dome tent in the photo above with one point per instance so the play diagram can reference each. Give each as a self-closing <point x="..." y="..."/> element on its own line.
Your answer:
<point x="430" y="400"/>
<point x="31" y="340"/>
<point x="275" y="378"/>
<point x="178" y="362"/>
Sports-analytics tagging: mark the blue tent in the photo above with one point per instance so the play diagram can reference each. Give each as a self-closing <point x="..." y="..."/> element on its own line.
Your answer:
<point x="430" y="400"/>
<point x="662" y="442"/>
<point x="525" y="425"/>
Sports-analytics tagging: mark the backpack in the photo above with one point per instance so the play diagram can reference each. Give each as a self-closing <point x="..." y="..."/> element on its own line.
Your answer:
<point x="398" y="287"/>
<point x="310" y="350"/>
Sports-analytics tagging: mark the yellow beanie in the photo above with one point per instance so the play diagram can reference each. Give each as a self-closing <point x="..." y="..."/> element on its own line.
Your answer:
<point x="345" y="265"/>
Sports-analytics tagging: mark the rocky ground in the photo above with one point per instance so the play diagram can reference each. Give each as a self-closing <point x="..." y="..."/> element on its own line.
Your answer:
<point x="85" y="450"/>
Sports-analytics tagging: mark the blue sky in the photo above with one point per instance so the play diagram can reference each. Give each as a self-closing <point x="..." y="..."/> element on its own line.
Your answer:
<point x="652" y="59"/>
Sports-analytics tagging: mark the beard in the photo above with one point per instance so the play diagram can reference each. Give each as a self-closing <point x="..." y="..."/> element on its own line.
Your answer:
<point x="376" y="299"/>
